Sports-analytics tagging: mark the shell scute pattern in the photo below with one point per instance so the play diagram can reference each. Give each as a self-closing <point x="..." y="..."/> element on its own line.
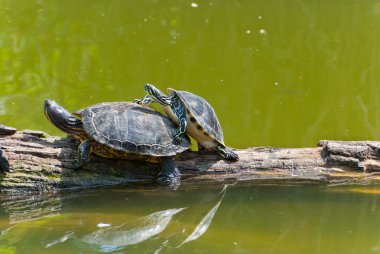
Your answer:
<point x="140" y="149"/>
<point x="203" y="113"/>
<point x="132" y="128"/>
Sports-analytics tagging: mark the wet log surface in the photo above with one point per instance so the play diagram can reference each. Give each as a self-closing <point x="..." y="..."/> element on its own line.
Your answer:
<point x="46" y="163"/>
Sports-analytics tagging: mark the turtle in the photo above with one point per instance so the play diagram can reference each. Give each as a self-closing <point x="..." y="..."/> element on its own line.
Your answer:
<point x="122" y="130"/>
<point x="194" y="115"/>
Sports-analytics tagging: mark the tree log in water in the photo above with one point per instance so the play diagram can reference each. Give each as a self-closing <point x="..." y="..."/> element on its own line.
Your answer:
<point x="42" y="162"/>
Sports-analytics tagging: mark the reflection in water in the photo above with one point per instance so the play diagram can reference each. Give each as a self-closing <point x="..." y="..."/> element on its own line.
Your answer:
<point x="120" y="236"/>
<point x="103" y="225"/>
<point x="32" y="207"/>
<point x="61" y="239"/>
<point x="205" y="222"/>
<point x="246" y="219"/>
<point x="150" y="232"/>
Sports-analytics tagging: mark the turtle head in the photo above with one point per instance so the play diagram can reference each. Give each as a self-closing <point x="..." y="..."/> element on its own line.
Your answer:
<point x="171" y="90"/>
<point x="157" y="95"/>
<point x="62" y="118"/>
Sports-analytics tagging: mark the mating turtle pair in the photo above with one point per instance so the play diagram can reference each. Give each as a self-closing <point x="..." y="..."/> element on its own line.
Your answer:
<point x="125" y="130"/>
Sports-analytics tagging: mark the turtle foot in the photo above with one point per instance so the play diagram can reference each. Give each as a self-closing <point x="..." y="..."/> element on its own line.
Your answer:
<point x="227" y="153"/>
<point x="170" y="175"/>
<point x="170" y="180"/>
<point x="232" y="156"/>
<point x="144" y="101"/>
<point x="138" y="101"/>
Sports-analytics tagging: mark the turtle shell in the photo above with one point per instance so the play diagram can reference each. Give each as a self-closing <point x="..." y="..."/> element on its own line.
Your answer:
<point x="131" y="128"/>
<point x="203" y="113"/>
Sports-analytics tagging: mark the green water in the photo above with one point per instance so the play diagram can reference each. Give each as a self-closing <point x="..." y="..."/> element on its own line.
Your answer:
<point x="249" y="219"/>
<point x="277" y="72"/>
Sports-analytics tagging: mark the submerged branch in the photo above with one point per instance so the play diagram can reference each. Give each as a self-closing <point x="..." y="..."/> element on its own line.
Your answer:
<point x="42" y="162"/>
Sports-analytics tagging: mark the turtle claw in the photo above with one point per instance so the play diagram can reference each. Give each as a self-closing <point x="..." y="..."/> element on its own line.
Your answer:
<point x="170" y="175"/>
<point x="79" y="163"/>
<point x="170" y="180"/>
<point x="227" y="153"/>
<point x="232" y="156"/>
<point x="138" y="101"/>
<point x="144" y="101"/>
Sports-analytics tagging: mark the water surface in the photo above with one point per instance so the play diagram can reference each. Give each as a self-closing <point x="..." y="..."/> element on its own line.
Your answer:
<point x="249" y="219"/>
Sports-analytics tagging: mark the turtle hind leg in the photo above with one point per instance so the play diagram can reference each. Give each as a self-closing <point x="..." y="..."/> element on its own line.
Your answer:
<point x="200" y="147"/>
<point x="227" y="153"/>
<point x="84" y="150"/>
<point x="169" y="175"/>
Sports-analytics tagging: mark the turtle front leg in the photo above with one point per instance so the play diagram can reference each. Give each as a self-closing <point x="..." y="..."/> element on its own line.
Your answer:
<point x="144" y="101"/>
<point x="169" y="175"/>
<point x="227" y="153"/>
<point x="84" y="150"/>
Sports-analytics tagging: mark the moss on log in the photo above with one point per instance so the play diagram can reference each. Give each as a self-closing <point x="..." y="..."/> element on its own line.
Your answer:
<point x="46" y="163"/>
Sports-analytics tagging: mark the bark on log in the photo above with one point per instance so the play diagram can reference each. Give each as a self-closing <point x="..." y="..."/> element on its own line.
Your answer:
<point x="41" y="162"/>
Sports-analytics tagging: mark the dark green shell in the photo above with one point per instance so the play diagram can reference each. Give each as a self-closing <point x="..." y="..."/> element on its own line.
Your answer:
<point x="203" y="113"/>
<point x="132" y="128"/>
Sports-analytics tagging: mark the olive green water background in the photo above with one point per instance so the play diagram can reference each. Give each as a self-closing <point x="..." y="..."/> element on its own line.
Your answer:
<point x="277" y="72"/>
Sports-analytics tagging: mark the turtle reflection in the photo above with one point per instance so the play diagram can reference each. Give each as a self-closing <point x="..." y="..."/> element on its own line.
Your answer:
<point x="117" y="237"/>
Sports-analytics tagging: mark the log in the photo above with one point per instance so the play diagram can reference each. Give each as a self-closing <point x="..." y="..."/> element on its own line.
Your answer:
<point x="39" y="162"/>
